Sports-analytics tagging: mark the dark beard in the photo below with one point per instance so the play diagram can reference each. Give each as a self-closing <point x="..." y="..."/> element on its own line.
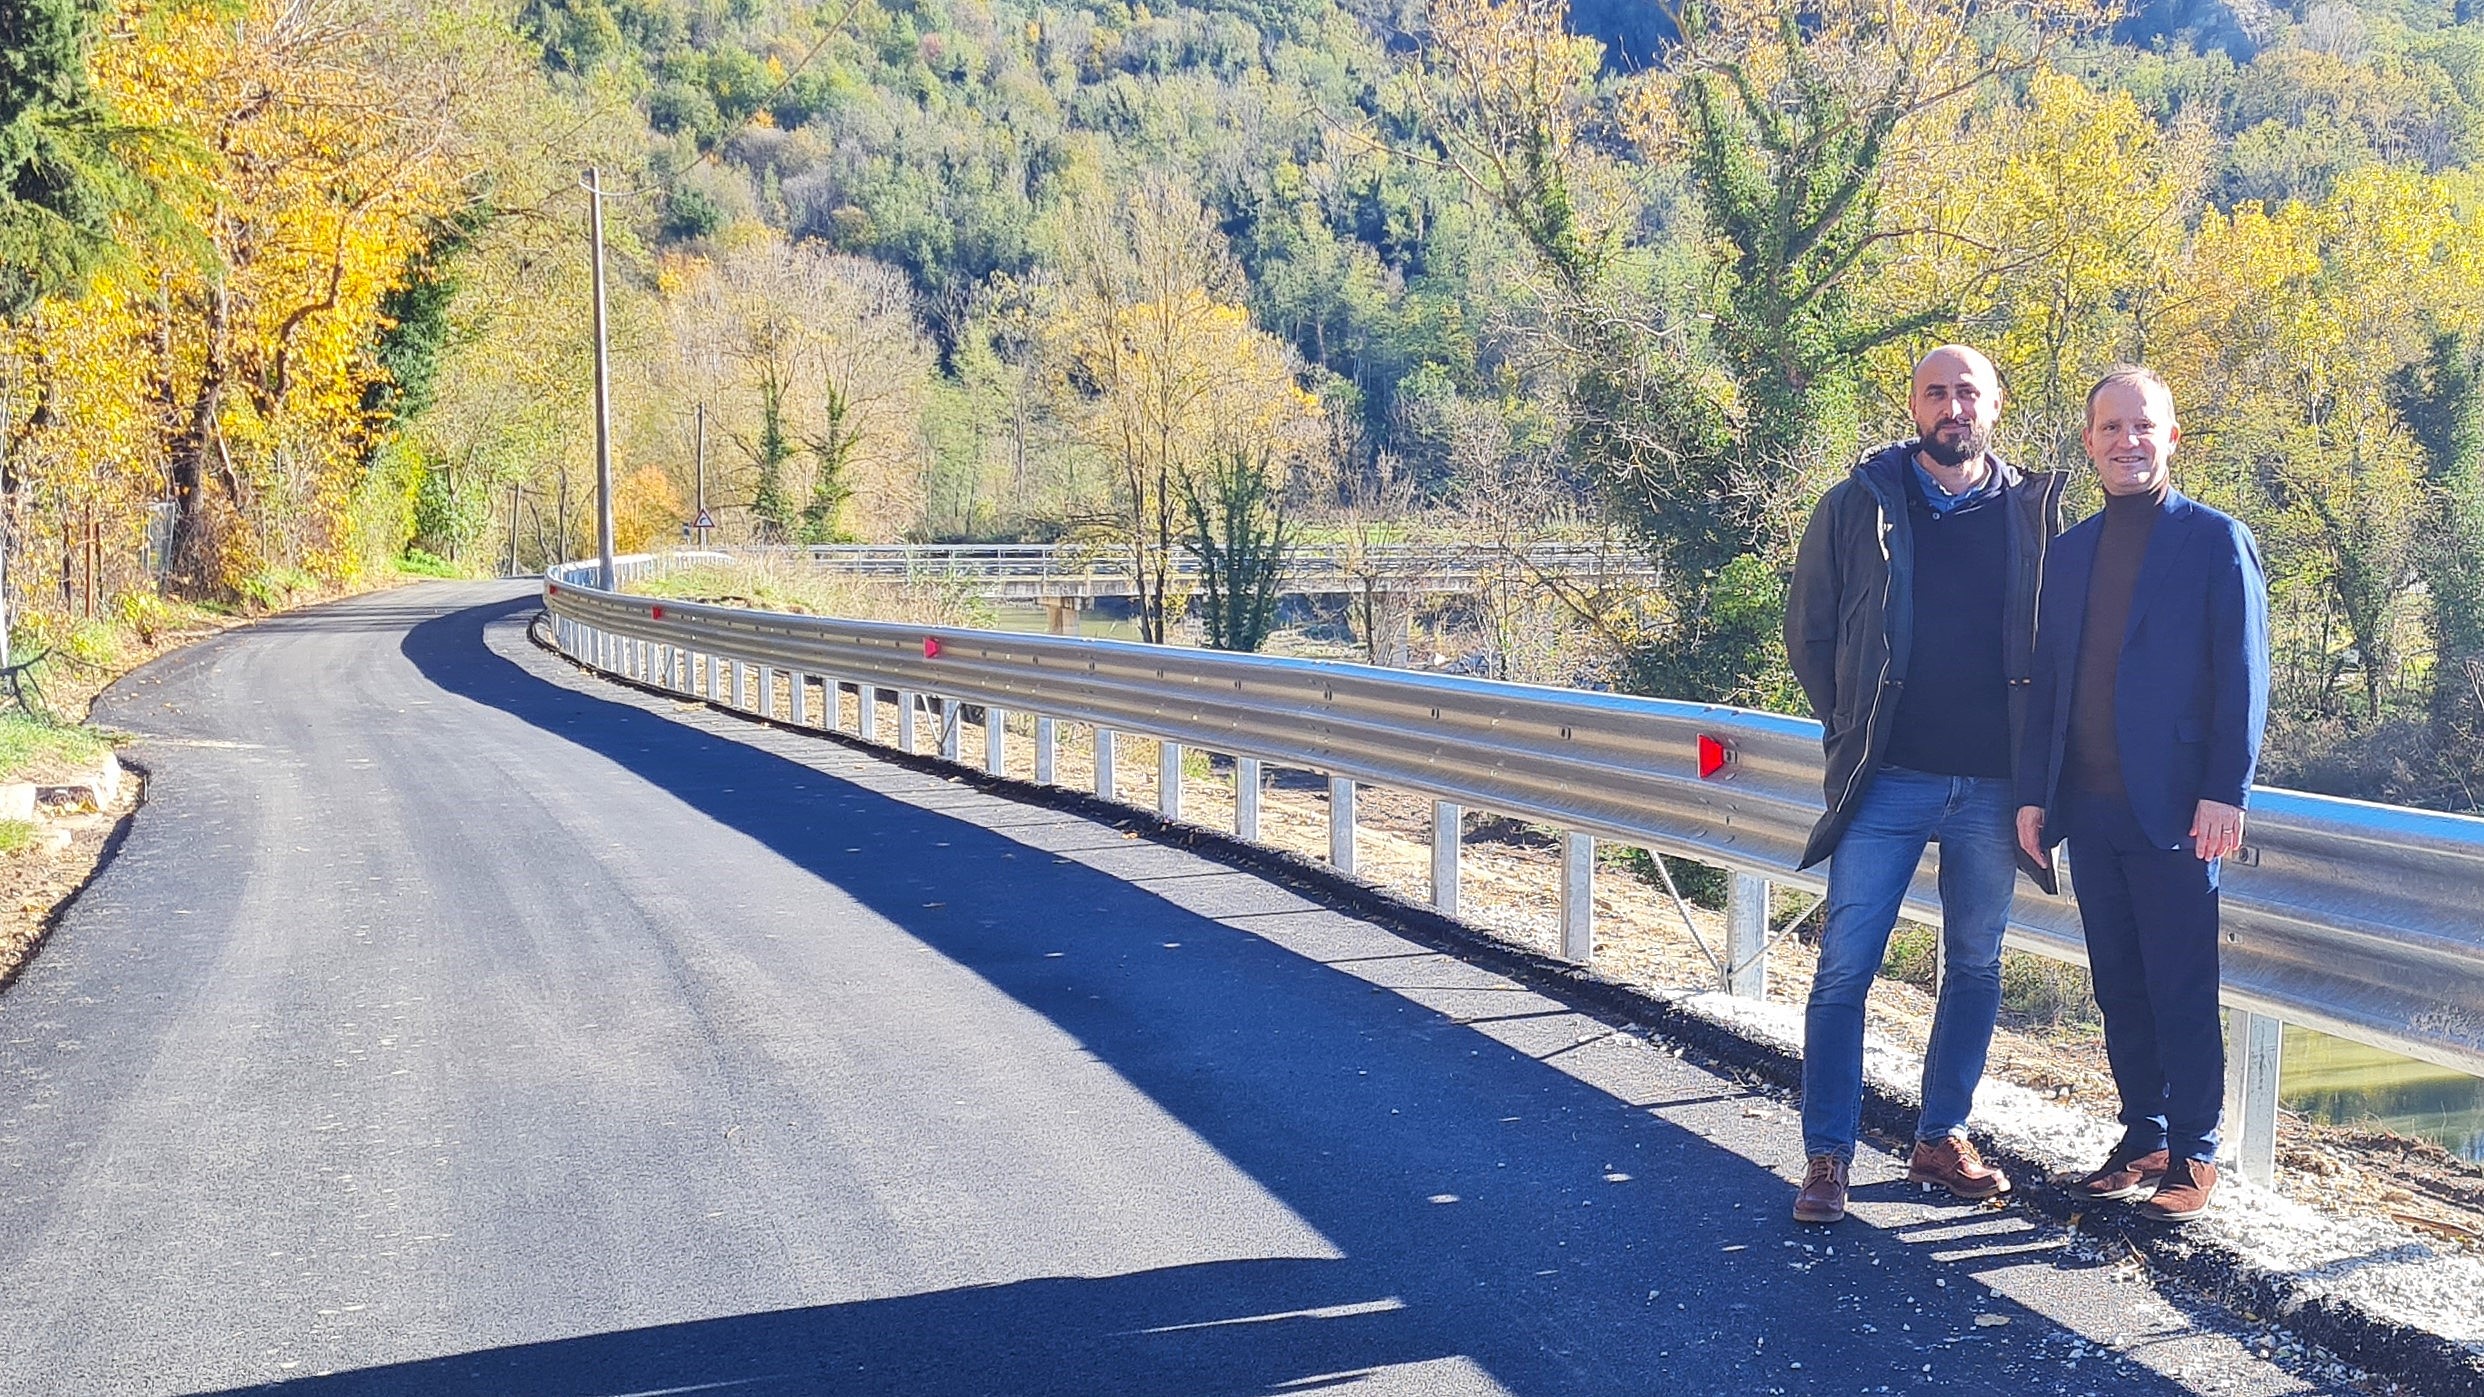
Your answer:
<point x="1959" y="450"/>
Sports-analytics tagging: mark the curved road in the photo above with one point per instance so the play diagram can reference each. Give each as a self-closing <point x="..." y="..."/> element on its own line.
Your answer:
<point x="454" y="1023"/>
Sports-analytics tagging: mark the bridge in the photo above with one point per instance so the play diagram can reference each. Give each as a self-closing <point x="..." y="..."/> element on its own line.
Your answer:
<point x="1393" y="577"/>
<point x="458" y="1019"/>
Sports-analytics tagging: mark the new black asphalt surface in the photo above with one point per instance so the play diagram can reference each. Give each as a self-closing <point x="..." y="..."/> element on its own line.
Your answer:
<point x="452" y="1022"/>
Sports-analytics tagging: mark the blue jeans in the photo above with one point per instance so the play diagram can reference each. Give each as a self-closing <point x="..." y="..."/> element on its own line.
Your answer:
<point x="1973" y="818"/>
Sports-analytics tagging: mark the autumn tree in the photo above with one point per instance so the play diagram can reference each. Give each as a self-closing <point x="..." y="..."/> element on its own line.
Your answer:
<point x="823" y="358"/>
<point x="2062" y="248"/>
<point x="2295" y="336"/>
<point x="315" y="176"/>
<point x="1170" y="374"/>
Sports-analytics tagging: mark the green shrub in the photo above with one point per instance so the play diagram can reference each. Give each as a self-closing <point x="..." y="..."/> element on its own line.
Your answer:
<point x="422" y="563"/>
<point x="274" y="588"/>
<point x="1701" y="885"/>
<point x="1914" y="955"/>
<point x="91" y="643"/>
<point x="145" y="613"/>
<point x="16" y="836"/>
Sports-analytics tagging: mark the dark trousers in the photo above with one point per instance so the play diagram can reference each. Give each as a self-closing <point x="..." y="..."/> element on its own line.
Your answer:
<point x="2150" y="916"/>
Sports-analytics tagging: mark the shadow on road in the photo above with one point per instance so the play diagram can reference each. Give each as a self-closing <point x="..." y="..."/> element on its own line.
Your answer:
<point x="1172" y="1331"/>
<point x="1488" y="1207"/>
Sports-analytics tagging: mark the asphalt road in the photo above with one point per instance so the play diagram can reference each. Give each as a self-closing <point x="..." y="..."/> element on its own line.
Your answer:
<point x="454" y="1023"/>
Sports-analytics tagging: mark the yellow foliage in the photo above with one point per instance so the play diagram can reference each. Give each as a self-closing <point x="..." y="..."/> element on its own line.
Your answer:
<point x="647" y="511"/>
<point x="2060" y="238"/>
<point x="312" y="173"/>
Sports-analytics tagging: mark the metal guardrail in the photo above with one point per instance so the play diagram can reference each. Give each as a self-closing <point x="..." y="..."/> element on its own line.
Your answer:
<point x="2364" y="921"/>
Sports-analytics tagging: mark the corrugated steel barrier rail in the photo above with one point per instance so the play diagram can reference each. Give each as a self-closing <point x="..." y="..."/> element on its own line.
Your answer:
<point x="2361" y="920"/>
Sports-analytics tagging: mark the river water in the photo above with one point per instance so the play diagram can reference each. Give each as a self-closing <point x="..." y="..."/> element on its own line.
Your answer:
<point x="2341" y="1083"/>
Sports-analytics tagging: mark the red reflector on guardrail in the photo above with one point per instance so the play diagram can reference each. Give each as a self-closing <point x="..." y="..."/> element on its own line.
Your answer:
<point x="655" y="613"/>
<point x="1715" y="755"/>
<point x="931" y="648"/>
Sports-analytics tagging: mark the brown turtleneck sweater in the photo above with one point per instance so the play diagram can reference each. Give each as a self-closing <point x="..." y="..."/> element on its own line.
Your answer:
<point x="2094" y="759"/>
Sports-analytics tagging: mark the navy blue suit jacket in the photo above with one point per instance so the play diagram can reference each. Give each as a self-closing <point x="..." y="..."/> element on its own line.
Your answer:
<point x="2191" y="694"/>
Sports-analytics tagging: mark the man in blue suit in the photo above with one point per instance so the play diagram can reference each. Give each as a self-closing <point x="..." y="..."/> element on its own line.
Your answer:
<point x="2151" y="688"/>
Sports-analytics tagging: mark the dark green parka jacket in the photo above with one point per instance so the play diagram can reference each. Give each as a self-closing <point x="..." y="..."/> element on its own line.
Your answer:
<point x="1850" y="618"/>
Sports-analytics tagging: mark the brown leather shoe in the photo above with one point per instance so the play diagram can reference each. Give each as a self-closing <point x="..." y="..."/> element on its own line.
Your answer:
<point x="2124" y="1178"/>
<point x="1953" y="1163"/>
<point x="1823" y="1198"/>
<point x="2184" y="1193"/>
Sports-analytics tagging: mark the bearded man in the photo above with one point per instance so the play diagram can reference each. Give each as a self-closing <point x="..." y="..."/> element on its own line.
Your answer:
<point x="1911" y="626"/>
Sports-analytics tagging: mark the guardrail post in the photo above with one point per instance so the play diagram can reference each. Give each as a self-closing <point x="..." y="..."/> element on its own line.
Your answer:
<point x="767" y="691"/>
<point x="1104" y="763"/>
<point x="905" y="722"/>
<point x="2255" y="1047"/>
<point x="1746" y="936"/>
<point x="1341" y="823"/>
<point x="1047" y="744"/>
<point x="800" y="688"/>
<point x="1169" y="779"/>
<point x="995" y="739"/>
<point x="741" y="684"/>
<point x="948" y="728"/>
<point x="1448" y="821"/>
<point x="1246" y="797"/>
<point x="1578" y="897"/>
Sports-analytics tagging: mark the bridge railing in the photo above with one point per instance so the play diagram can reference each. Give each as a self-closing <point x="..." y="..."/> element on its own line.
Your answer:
<point x="2364" y="921"/>
<point x="1321" y="563"/>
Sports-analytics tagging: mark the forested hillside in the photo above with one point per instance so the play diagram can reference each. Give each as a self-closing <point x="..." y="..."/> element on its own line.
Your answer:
<point x="303" y="285"/>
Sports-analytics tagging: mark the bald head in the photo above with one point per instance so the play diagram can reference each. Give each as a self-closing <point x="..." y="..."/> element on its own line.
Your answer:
<point x="1955" y="402"/>
<point x="1953" y="360"/>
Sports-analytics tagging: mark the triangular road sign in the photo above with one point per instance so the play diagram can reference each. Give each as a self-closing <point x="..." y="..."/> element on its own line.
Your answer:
<point x="704" y="521"/>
